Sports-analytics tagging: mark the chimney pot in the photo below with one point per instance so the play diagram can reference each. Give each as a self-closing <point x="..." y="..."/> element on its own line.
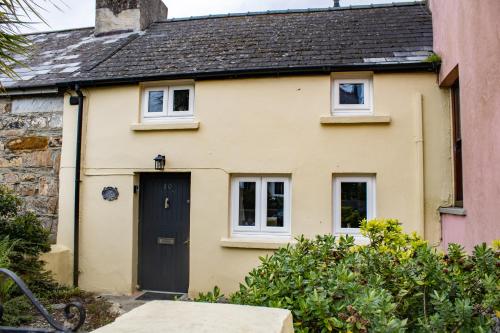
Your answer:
<point x="116" y="16"/>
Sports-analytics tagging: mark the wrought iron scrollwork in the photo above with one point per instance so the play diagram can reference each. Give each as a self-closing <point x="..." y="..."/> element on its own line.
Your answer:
<point x="57" y="327"/>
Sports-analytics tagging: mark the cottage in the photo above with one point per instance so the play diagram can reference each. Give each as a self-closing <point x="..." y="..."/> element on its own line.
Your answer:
<point x="31" y="114"/>
<point x="200" y="144"/>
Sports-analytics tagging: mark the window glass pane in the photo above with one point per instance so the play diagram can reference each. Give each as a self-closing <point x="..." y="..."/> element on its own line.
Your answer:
<point x="353" y="204"/>
<point x="247" y="204"/>
<point x="351" y="93"/>
<point x="155" y="101"/>
<point x="181" y="100"/>
<point x="457" y="144"/>
<point x="275" y="204"/>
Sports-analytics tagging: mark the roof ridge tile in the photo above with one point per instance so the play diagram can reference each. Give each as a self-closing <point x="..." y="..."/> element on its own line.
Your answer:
<point x="295" y="11"/>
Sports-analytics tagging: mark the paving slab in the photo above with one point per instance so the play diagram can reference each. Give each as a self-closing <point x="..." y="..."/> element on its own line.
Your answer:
<point x="183" y="317"/>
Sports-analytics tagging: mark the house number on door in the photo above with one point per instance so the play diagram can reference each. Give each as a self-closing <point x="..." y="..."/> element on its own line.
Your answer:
<point x="167" y="203"/>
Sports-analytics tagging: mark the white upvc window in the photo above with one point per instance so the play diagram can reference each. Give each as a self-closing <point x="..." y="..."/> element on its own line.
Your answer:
<point x="352" y="96"/>
<point x="180" y="101"/>
<point x="154" y="102"/>
<point x="260" y="206"/>
<point x="167" y="103"/>
<point x="354" y="199"/>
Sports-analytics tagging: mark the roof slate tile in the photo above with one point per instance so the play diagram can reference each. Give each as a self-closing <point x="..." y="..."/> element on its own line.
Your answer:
<point x="381" y="34"/>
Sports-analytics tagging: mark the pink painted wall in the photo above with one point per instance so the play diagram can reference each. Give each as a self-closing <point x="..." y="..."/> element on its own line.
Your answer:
<point x="467" y="33"/>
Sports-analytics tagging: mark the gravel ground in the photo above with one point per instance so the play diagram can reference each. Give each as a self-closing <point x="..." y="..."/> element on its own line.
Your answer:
<point x="99" y="311"/>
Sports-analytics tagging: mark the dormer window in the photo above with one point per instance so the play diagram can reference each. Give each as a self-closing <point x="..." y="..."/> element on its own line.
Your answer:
<point x="167" y="103"/>
<point x="352" y="97"/>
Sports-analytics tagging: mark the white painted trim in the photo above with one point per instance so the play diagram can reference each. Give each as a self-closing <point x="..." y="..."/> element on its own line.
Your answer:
<point x="235" y="204"/>
<point x="146" y="115"/>
<point x="170" y="110"/>
<point x="260" y="229"/>
<point x="168" y="104"/>
<point x="352" y="109"/>
<point x="371" y="200"/>
<point x="286" y="206"/>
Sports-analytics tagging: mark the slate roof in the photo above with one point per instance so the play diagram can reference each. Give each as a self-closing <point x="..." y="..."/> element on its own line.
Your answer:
<point x="62" y="55"/>
<point x="363" y="37"/>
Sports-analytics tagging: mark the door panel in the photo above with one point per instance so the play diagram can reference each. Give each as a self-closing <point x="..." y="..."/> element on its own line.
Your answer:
<point x="164" y="232"/>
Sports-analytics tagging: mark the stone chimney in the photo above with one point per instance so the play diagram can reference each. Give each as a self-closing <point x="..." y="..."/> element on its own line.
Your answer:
<point x="115" y="16"/>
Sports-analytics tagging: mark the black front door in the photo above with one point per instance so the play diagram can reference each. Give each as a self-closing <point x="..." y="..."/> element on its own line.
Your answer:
<point x="164" y="232"/>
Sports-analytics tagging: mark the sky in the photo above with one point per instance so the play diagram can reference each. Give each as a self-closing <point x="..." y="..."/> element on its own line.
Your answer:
<point x="68" y="14"/>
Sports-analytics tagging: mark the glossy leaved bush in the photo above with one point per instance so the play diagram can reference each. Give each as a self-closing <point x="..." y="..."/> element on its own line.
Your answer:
<point x="397" y="283"/>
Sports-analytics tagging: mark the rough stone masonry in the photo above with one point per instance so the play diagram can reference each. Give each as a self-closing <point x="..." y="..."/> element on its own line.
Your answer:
<point x="30" y="151"/>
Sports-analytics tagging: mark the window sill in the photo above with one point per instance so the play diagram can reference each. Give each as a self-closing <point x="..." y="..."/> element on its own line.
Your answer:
<point x="460" y="211"/>
<point x="166" y="126"/>
<point x="350" y="120"/>
<point x="256" y="243"/>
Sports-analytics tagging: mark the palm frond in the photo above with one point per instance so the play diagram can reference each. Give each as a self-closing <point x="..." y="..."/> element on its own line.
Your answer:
<point x="15" y="47"/>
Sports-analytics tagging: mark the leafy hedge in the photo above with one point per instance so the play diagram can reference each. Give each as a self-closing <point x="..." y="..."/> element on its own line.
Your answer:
<point x="28" y="240"/>
<point x="398" y="283"/>
<point x="22" y="240"/>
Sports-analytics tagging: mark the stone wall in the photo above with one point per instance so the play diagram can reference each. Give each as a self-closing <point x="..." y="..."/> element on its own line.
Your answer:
<point x="30" y="150"/>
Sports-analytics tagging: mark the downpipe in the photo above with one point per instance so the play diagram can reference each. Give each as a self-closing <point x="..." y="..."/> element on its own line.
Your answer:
<point x="77" y="100"/>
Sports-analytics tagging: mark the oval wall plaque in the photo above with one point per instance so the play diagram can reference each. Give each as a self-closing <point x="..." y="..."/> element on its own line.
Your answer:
<point x="110" y="193"/>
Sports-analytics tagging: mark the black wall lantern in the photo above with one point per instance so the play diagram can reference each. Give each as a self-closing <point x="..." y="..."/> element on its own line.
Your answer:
<point x="159" y="162"/>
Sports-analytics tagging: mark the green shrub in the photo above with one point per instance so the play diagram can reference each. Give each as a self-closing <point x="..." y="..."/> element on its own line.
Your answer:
<point x="17" y="312"/>
<point x="22" y="239"/>
<point x="5" y="251"/>
<point x="397" y="283"/>
<point x="6" y="284"/>
<point x="29" y="239"/>
<point x="214" y="296"/>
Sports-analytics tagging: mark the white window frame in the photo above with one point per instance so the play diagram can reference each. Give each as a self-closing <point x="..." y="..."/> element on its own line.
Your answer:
<point x="235" y="203"/>
<point x="353" y="109"/>
<point x="260" y="229"/>
<point x="188" y="113"/>
<point x="371" y="201"/>
<point x="168" y="104"/>
<point x="145" y="103"/>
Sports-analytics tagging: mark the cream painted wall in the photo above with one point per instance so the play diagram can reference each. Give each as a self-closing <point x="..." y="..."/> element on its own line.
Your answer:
<point x="107" y="236"/>
<point x="65" y="226"/>
<point x="254" y="126"/>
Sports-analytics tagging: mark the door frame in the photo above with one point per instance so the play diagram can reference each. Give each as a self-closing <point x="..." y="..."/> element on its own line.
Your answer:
<point x="140" y="176"/>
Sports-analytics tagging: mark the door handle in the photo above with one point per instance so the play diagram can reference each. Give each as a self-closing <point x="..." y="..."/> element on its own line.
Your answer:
<point x="186" y="242"/>
<point x="167" y="203"/>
